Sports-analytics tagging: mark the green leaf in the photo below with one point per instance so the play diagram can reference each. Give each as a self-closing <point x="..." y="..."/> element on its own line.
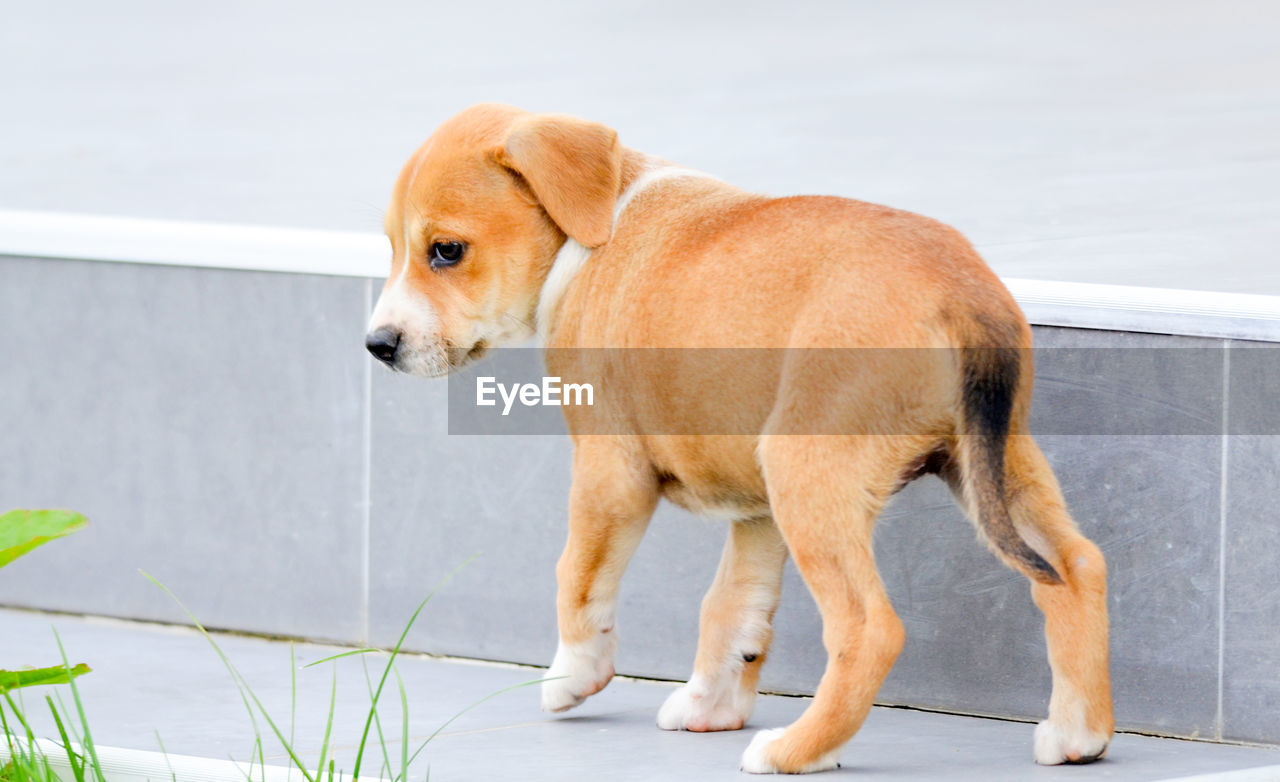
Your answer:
<point x="23" y="530"/>
<point x="340" y="655"/>
<point x="36" y="677"/>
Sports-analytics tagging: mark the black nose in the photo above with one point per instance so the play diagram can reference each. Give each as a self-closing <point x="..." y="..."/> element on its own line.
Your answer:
<point x="382" y="343"/>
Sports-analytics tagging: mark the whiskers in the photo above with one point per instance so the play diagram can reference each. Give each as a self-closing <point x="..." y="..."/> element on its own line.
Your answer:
<point x="529" y="327"/>
<point x="371" y="215"/>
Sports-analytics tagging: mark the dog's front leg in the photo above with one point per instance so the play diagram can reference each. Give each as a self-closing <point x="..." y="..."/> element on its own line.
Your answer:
<point x="734" y="633"/>
<point x="612" y="497"/>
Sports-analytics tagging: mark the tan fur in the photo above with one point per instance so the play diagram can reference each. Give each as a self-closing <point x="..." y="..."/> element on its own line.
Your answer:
<point x="574" y="169"/>
<point x="696" y="263"/>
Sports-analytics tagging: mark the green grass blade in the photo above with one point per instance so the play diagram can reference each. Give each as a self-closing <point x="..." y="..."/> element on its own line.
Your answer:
<point x="488" y="697"/>
<point x="17" y="713"/>
<point x="26" y="763"/>
<point x="247" y="774"/>
<point x="262" y="759"/>
<point x="404" y="730"/>
<point x="77" y="768"/>
<point x="241" y="682"/>
<point x="32" y="762"/>
<point x="293" y="696"/>
<point x="71" y="726"/>
<point x="262" y="754"/>
<point x="8" y="734"/>
<point x="172" y="775"/>
<point x="253" y="759"/>
<point x="373" y="707"/>
<point x="86" y="739"/>
<point x="377" y="721"/>
<point x="226" y="662"/>
<point x="328" y="726"/>
<point x="339" y="656"/>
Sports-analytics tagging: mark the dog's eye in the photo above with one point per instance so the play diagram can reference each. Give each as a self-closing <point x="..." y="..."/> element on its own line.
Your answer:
<point x="446" y="253"/>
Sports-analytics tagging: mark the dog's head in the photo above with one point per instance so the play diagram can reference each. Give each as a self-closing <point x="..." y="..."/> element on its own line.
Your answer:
<point x="476" y="219"/>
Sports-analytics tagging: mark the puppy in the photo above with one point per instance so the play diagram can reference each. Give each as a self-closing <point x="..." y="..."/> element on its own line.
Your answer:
<point x="505" y="223"/>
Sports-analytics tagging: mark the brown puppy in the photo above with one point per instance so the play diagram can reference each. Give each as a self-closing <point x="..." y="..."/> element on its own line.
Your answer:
<point x="505" y="221"/>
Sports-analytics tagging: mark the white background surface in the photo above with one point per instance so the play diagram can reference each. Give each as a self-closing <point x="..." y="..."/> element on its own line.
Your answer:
<point x="1133" y="143"/>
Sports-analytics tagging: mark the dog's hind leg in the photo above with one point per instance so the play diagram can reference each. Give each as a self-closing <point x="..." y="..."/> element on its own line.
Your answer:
<point x="735" y="632"/>
<point x="610" y="503"/>
<point x="1080" y="720"/>
<point x="825" y="492"/>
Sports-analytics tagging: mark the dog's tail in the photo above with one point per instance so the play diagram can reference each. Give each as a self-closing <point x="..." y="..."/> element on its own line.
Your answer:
<point x="991" y="376"/>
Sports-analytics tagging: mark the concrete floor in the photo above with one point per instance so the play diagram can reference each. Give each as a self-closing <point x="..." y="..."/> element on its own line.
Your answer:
<point x="152" y="679"/>
<point x="1131" y="143"/>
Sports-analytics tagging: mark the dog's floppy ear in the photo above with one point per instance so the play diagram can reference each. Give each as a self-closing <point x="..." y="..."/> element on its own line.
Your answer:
<point x="574" y="168"/>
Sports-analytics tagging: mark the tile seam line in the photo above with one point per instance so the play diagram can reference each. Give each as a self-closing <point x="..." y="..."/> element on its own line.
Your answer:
<point x="1222" y="532"/>
<point x="367" y="477"/>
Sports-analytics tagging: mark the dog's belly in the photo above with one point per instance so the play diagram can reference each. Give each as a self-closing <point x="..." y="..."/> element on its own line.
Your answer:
<point x="720" y="502"/>
<point x="710" y="476"/>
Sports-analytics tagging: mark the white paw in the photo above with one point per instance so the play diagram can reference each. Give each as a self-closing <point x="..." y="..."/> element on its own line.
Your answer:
<point x="1055" y="745"/>
<point x="756" y="759"/>
<point x="578" y="670"/>
<point x="697" y="707"/>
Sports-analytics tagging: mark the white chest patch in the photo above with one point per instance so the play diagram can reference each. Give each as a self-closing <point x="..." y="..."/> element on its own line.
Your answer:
<point x="572" y="255"/>
<point x="563" y="269"/>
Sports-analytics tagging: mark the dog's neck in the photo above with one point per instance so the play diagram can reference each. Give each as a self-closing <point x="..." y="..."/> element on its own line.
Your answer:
<point x="639" y="173"/>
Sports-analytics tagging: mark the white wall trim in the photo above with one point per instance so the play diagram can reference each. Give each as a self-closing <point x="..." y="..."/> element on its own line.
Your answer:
<point x="182" y="243"/>
<point x="346" y="253"/>
<point x="1150" y="310"/>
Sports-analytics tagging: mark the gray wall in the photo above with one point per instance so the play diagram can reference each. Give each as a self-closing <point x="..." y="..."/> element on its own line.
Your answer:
<point x="225" y="431"/>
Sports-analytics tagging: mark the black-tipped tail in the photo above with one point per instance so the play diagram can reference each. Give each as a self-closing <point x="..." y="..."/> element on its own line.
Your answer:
<point x="990" y="382"/>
